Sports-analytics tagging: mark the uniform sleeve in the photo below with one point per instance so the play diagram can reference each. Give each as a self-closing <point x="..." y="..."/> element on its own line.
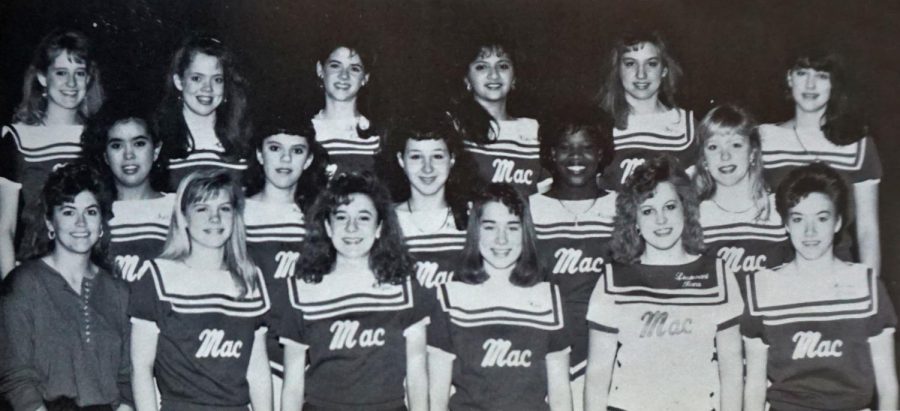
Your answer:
<point x="561" y="339"/>
<point x="290" y="327"/>
<point x="423" y="300"/>
<point x="602" y="313"/>
<point x="870" y="172"/>
<point x="751" y="325"/>
<point x="144" y="302"/>
<point x="8" y="153"/>
<point x="439" y="330"/>
<point x="733" y="308"/>
<point x="886" y="317"/>
<point x="19" y="381"/>
<point x="688" y="157"/>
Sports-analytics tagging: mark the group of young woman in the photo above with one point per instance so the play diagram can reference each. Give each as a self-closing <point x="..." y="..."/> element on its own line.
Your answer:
<point x="460" y="260"/>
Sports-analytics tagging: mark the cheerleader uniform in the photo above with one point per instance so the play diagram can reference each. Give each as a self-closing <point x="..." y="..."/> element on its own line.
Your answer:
<point x="274" y="235"/>
<point x="347" y="150"/>
<point x="745" y="245"/>
<point x="818" y="342"/>
<point x="665" y="318"/>
<point x="29" y="154"/>
<point x="499" y="343"/>
<point x="205" y="340"/>
<point x="137" y="233"/>
<point x="574" y="248"/>
<point x="205" y="151"/>
<point x="514" y="157"/>
<point x="647" y="135"/>
<point x="435" y="253"/>
<point x="354" y="331"/>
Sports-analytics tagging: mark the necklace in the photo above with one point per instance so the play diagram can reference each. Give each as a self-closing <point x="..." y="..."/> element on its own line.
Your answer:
<point x="575" y="215"/>
<point x="799" y="141"/>
<point x="412" y="220"/>
<point x="752" y="206"/>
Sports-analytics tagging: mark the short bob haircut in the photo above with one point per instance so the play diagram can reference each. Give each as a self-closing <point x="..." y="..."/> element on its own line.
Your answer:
<point x="593" y="125"/>
<point x="96" y="135"/>
<point x="627" y="243"/>
<point x="200" y="186"/>
<point x="312" y="181"/>
<point x="843" y="123"/>
<point x="812" y="178"/>
<point x="63" y="185"/>
<point x="358" y="46"/>
<point x="732" y="119"/>
<point x="388" y="258"/>
<point x="528" y="271"/>
<point x="612" y="93"/>
<point x="232" y="124"/>
<point x="33" y="108"/>
<point x="461" y="181"/>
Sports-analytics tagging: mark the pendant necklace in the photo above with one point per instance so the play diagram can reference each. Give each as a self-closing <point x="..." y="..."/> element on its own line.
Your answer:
<point x="803" y="146"/>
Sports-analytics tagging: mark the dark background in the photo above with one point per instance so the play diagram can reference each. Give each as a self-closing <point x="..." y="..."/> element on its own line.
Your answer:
<point x="730" y="51"/>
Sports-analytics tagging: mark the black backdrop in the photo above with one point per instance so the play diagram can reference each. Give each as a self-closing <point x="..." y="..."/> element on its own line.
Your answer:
<point x="730" y="51"/>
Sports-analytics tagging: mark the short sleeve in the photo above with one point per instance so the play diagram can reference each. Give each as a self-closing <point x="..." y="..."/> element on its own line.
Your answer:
<point x="601" y="314"/>
<point x="290" y="325"/>
<point x="886" y="317"/>
<point x="690" y="154"/>
<point x="8" y="153"/>
<point x="561" y="339"/>
<point x="423" y="300"/>
<point x="752" y="326"/>
<point x="733" y="307"/>
<point x="870" y="170"/>
<point x="144" y="301"/>
<point x="439" y="335"/>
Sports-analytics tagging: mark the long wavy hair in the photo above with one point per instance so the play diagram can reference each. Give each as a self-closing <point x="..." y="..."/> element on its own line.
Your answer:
<point x="627" y="244"/>
<point x="843" y="123"/>
<point x="461" y="182"/>
<point x="528" y="270"/>
<point x="389" y="259"/>
<point x="612" y="94"/>
<point x="312" y="180"/>
<point x="732" y="119"/>
<point x="96" y="135"/>
<point x="232" y="122"/>
<point x="201" y="186"/>
<point x="33" y="108"/>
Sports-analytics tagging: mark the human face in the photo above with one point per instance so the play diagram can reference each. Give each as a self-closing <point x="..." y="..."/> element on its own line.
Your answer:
<point x="427" y="165"/>
<point x="66" y="81"/>
<point x="727" y="157"/>
<point x="130" y="152"/>
<point x="810" y="88"/>
<point x="812" y="224"/>
<point x="641" y="71"/>
<point x="660" y="218"/>
<point x="211" y="221"/>
<point x="343" y="74"/>
<point x="499" y="236"/>
<point x="491" y="75"/>
<point x="354" y="227"/>
<point x="202" y="85"/>
<point x="576" y="159"/>
<point x="77" y="224"/>
<point x="284" y="157"/>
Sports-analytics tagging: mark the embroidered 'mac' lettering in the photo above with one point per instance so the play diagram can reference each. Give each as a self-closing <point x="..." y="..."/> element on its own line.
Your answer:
<point x="736" y="261"/>
<point x="628" y="165"/>
<point x="499" y="353"/>
<point x="656" y="324"/>
<point x="215" y="345"/>
<point x="809" y="344"/>
<point x="505" y="171"/>
<point x="429" y="276"/>
<point x="344" y="335"/>
<point x="570" y="261"/>
<point x="128" y="267"/>
<point x="287" y="263"/>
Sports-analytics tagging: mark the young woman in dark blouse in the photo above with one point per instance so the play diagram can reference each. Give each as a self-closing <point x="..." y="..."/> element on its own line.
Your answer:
<point x="65" y="333"/>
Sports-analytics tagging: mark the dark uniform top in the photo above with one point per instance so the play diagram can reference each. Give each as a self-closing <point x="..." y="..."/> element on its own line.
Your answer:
<point x="514" y="157"/>
<point x="137" y="233"/>
<point x="347" y="151"/>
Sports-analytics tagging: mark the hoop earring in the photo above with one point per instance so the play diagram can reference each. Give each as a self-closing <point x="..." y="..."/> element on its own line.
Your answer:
<point x="51" y="234"/>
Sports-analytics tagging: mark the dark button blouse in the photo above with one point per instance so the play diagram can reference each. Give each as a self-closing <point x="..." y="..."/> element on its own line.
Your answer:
<point x="56" y="343"/>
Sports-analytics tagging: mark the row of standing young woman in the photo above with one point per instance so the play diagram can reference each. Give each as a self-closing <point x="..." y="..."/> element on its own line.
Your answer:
<point x="486" y="340"/>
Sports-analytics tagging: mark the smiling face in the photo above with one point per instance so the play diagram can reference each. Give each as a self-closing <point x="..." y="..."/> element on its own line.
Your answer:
<point x="491" y="75"/>
<point x="660" y="218"/>
<point x="202" y="85"/>
<point x="77" y="224"/>
<point x="641" y="71"/>
<point x="812" y="224"/>
<point x="427" y="165"/>
<point x="499" y="236"/>
<point x="130" y="152"/>
<point x="576" y="159"/>
<point x="810" y="88"/>
<point x="354" y="227"/>
<point x="66" y="81"/>
<point x="211" y="221"/>
<point x="342" y="75"/>
<point x="283" y="158"/>
<point x="728" y="157"/>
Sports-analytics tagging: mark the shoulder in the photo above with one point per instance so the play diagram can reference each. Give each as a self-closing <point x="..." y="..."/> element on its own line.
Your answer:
<point x="25" y="278"/>
<point x="771" y="130"/>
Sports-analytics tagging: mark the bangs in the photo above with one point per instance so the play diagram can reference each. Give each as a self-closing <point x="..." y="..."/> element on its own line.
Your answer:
<point x="75" y="55"/>
<point x="818" y="62"/>
<point x="205" y="189"/>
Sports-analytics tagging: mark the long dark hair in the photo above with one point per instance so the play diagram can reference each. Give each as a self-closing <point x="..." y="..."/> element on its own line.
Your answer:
<point x="528" y="270"/>
<point x="359" y="46"/>
<point x="388" y="258"/>
<point x="232" y="124"/>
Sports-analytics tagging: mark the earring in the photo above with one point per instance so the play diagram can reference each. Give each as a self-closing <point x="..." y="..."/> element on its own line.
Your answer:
<point x="44" y="93"/>
<point x="468" y="87"/>
<point x="51" y="234"/>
